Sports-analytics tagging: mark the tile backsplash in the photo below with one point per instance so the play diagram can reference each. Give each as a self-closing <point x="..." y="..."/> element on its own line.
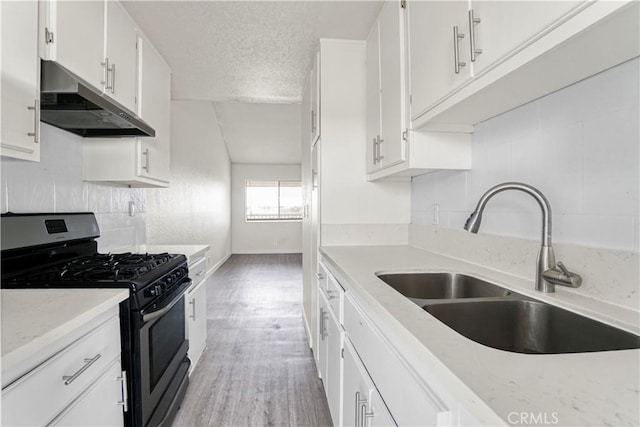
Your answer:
<point x="579" y="146"/>
<point x="55" y="185"/>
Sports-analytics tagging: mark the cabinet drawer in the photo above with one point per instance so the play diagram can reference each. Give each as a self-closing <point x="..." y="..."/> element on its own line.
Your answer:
<point x="409" y="401"/>
<point x="99" y="405"/>
<point x="44" y="388"/>
<point x="198" y="270"/>
<point x="335" y="295"/>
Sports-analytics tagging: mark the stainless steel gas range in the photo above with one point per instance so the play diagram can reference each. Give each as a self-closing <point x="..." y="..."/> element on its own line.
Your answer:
<point x="60" y="251"/>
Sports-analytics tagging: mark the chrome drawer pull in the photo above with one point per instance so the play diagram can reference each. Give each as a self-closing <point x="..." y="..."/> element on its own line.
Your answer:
<point x="192" y="303"/>
<point x="68" y="379"/>
<point x="125" y="394"/>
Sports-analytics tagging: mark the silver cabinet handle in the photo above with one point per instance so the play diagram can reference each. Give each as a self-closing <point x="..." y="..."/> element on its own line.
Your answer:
<point x="359" y="402"/>
<point x="472" y="36"/>
<point x="125" y="393"/>
<point x="68" y="379"/>
<point x="380" y="156"/>
<point x="375" y="154"/>
<point x="325" y="314"/>
<point x="330" y="294"/>
<point x="321" y="328"/>
<point x="36" y="121"/>
<point x="192" y="303"/>
<point x="107" y="70"/>
<point x="313" y="122"/>
<point x="456" y="50"/>
<point x="364" y="414"/>
<point x="319" y="276"/>
<point x="199" y="273"/>
<point x="113" y="78"/>
<point x="146" y="161"/>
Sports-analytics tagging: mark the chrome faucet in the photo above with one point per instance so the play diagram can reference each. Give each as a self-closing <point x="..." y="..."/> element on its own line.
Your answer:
<point x="548" y="273"/>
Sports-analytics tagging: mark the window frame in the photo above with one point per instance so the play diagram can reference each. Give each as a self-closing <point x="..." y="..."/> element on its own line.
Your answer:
<point x="277" y="220"/>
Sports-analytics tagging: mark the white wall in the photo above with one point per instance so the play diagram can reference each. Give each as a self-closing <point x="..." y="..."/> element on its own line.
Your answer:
<point x="195" y="209"/>
<point x="579" y="146"/>
<point x="348" y="201"/>
<point x="261" y="237"/>
<point x="55" y="185"/>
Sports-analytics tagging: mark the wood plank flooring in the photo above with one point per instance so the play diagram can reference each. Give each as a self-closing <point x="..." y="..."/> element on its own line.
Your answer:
<point x="257" y="369"/>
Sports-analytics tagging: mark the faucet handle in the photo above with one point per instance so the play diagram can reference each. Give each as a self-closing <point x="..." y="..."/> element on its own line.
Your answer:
<point x="560" y="275"/>
<point x="561" y="266"/>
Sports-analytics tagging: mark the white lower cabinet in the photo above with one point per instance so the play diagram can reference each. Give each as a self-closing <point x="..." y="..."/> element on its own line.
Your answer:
<point x="79" y="385"/>
<point x="89" y="409"/>
<point x="196" y="311"/>
<point x="361" y="402"/>
<point x="330" y="343"/>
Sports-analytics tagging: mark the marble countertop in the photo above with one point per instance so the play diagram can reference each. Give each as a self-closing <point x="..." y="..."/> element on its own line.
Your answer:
<point x="600" y="388"/>
<point x="35" y="322"/>
<point x="192" y="252"/>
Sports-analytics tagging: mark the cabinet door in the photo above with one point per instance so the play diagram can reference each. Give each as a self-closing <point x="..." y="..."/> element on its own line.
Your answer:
<point x="20" y="88"/>
<point x="361" y="403"/>
<point x="196" y="312"/>
<point x="506" y="26"/>
<point x="373" y="98"/>
<point x="333" y="383"/>
<point x="99" y="405"/>
<point x="323" y="342"/>
<point x="155" y="109"/>
<point x="78" y="38"/>
<point x="392" y="83"/>
<point x="431" y="39"/>
<point x="315" y="99"/>
<point x="122" y="56"/>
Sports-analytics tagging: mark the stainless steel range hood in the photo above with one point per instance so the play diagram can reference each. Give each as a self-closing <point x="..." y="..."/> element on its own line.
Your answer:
<point x="72" y="104"/>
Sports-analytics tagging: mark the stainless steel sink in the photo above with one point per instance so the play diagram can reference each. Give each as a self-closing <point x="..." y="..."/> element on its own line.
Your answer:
<point x="441" y="286"/>
<point x="529" y="326"/>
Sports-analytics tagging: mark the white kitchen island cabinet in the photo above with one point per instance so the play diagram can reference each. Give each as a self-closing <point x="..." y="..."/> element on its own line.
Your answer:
<point x="61" y="357"/>
<point x="20" y="108"/>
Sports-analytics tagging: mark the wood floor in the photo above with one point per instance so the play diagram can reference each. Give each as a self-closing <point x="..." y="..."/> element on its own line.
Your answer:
<point x="257" y="369"/>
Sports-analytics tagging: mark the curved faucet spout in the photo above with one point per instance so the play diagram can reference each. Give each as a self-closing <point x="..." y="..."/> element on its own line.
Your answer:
<point x="548" y="274"/>
<point x="473" y="222"/>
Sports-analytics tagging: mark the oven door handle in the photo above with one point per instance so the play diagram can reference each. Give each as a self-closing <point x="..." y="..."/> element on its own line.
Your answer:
<point x="148" y="317"/>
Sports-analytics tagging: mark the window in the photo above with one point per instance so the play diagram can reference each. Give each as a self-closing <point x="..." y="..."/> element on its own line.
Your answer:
<point x="273" y="200"/>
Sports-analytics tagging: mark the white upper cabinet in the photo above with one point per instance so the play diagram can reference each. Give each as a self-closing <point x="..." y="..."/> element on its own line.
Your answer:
<point x="373" y="99"/>
<point x="20" y="80"/>
<point x="315" y="99"/>
<point x="501" y="27"/>
<point x="473" y="60"/>
<point x="96" y="40"/>
<point x="392" y="83"/>
<point x="120" y="56"/>
<point x="434" y="50"/>
<point x="155" y="109"/>
<point x="74" y="36"/>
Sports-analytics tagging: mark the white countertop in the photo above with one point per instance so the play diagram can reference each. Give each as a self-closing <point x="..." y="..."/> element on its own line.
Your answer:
<point x="192" y="252"/>
<point x="600" y="388"/>
<point x="35" y="322"/>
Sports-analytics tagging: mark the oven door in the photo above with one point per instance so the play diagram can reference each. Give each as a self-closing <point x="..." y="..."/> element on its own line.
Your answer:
<point x="163" y="356"/>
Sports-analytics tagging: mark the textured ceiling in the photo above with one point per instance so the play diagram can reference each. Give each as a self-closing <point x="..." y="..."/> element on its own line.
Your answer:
<point x="248" y="51"/>
<point x="260" y="133"/>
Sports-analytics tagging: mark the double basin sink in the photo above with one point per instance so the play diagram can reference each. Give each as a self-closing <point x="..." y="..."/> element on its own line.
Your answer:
<point x="497" y="317"/>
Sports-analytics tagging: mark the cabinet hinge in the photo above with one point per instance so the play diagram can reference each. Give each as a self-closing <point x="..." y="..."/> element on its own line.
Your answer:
<point x="405" y="133"/>
<point x="403" y="4"/>
<point x="48" y="36"/>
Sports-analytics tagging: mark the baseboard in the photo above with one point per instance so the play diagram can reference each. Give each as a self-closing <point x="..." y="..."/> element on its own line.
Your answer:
<point x="307" y="329"/>
<point x="266" y="251"/>
<point x="217" y="265"/>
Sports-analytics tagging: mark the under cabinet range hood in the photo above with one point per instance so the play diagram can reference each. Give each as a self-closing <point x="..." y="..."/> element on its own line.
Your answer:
<point x="72" y="104"/>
